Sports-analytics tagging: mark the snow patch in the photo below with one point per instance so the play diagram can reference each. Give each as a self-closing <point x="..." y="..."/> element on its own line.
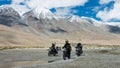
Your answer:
<point x="43" y="13"/>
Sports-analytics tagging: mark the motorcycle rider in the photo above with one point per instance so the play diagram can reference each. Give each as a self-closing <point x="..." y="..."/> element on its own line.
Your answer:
<point x="53" y="49"/>
<point x="79" y="50"/>
<point x="67" y="50"/>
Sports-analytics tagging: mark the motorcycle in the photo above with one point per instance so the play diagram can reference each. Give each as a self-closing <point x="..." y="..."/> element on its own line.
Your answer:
<point x="64" y="53"/>
<point x="79" y="51"/>
<point x="52" y="52"/>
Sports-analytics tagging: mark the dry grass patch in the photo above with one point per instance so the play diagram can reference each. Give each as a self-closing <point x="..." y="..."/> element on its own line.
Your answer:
<point x="14" y="47"/>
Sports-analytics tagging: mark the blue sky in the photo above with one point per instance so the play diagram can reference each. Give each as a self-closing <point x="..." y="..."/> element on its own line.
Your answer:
<point x="103" y="10"/>
<point x="2" y="2"/>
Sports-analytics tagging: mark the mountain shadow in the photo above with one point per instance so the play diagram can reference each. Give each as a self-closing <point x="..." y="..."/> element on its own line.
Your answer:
<point x="57" y="30"/>
<point x="10" y="21"/>
<point x="114" y="29"/>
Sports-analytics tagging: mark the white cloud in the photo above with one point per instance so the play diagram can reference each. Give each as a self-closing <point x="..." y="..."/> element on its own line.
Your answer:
<point x="45" y="4"/>
<point x="66" y="4"/>
<point x="96" y="9"/>
<point x="114" y="13"/>
<point x="63" y="11"/>
<point x="105" y="1"/>
<point x="54" y="3"/>
<point x="17" y="1"/>
<point x="67" y="11"/>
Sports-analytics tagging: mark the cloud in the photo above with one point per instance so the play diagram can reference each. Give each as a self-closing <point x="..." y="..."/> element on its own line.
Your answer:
<point x="62" y="6"/>
<point x="48" y="4"/>
<point x="54" y="3"/>
<point x="63" y="11"/>
<point x="17" y="1"/>
<point x="31" y="4"/>
<point x="105" y="1"/>
<point x="113" y="13"/>
<point x="96" y="8"/>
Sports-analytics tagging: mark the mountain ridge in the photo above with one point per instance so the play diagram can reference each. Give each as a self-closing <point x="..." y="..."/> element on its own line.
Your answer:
<point x="74" y="28"/>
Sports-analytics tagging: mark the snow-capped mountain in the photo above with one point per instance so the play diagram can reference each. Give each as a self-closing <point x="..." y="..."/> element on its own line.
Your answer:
<point x="92" y="21"/>
<point x="113" y="27"/>
<point x="75" y="18"/>
<point x="42" y="22"/>
<point x="84" y="22"/>
<point x="9" y="11"/>
<point x="41" y="19"/>
<point x="8" y="16"/>
<point x="113" y="23"/>
<point x="43" y="13"/>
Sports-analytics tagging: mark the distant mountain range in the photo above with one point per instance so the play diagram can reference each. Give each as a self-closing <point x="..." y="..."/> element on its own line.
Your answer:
<point x="43" y="23"/>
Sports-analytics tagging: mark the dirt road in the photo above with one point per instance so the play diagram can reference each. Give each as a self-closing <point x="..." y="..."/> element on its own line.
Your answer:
<point x="37" y="58"/>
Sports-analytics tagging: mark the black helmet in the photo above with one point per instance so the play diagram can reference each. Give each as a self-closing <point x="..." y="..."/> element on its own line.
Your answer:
<point x="66" y="41"/>
<point x="79" y="43"/>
